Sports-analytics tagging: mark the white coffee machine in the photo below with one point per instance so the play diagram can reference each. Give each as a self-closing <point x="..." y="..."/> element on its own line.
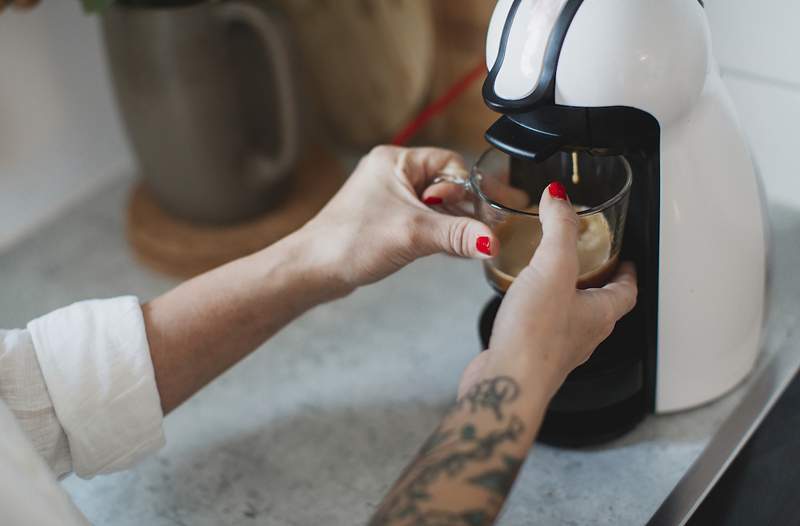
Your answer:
<point x="638" y="78"/>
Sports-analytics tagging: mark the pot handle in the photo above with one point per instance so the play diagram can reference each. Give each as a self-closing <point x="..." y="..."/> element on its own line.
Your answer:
<point x="262" y="169"/>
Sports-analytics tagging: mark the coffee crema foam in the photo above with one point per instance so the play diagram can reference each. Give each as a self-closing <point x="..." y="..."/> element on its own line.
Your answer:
<point x="519" y="237"/>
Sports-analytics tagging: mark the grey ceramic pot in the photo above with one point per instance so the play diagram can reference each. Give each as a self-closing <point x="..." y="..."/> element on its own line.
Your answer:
<point x="207" y="95"/>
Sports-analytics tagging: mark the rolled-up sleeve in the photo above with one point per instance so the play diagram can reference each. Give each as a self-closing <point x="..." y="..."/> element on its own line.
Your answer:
<point x="96" y="365"/>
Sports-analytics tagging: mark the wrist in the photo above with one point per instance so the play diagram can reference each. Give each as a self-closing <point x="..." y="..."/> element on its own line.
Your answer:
<point x="300" y="260"/>
<point x="542" y="377"/>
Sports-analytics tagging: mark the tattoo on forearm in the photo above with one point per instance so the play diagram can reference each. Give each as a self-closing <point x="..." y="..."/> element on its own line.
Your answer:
<point x="490" y="394"/>
<point x="462" y="461"/>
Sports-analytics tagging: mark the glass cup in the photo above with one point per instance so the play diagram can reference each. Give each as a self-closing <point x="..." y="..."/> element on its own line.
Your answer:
<point x="506" y="193"/>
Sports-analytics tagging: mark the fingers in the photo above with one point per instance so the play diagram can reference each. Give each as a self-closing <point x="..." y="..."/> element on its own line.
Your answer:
<point x="444" y="194"/>
<point x="557" y="254"/>
<point x="502" y="192"/>
<point x="494" y="188"/>
<point x="616" y="299"/>
<point x="431" y="161"/>
<point x="418" y="167"/>
<point x="421" y="165"/>
<point x="621" y="293"/>
<point x="457" y="236"/>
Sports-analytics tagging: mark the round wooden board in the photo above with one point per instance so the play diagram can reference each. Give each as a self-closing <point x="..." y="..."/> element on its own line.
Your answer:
<point x="183" y="249"/>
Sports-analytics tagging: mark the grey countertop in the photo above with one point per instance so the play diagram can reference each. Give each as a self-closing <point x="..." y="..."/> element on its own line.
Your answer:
<point x="313" y="428"/>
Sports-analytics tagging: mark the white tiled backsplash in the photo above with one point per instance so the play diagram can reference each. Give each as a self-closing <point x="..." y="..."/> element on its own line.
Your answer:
<point x="60" y="135"/>
<point x="758" y="47"/>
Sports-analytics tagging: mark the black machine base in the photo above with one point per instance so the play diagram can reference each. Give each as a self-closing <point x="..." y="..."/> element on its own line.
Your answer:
<point x="593" y="427"/>
<point x="602" y="400"/>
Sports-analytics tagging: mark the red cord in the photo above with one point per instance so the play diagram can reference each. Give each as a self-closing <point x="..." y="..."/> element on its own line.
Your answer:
<point x="439" y="105"/>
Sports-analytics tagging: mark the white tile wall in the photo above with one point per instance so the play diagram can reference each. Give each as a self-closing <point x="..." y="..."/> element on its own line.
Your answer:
<point x="758" y="47"/>
<point x="759" y="37"/>
<point x="771" y="115"/>
<point x="59" y="133"/>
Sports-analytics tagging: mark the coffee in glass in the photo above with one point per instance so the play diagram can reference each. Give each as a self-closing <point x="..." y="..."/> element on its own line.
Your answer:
<point x="506" y="193"/>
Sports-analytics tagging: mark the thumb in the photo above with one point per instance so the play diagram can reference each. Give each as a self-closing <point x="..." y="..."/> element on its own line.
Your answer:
<point x="557" y="254"/>
<point x="457" y="236"/>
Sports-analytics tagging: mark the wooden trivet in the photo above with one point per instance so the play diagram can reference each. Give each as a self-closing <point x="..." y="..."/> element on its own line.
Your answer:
<point x="183" y="249"/>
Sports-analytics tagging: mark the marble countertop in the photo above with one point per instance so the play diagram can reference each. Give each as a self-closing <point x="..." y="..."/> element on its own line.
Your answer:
<point x="313" y="428"/>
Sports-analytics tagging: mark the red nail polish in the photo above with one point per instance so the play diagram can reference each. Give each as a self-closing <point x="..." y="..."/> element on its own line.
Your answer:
<point x="433" y="200"/>
<point x="484" y="245"/>
<point x="557" y="191"/>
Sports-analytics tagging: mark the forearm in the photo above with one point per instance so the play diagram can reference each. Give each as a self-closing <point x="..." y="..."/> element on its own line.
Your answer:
<point x="201" y="328"/>
<point x="465" y="471"/>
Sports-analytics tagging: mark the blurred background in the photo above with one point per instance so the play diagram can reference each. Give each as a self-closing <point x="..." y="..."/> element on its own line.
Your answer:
<point x="61" y="135"/>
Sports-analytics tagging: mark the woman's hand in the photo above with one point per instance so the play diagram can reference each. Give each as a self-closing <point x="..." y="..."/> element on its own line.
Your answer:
<point x="545" y="326"/>
<point x="378" y="222"/>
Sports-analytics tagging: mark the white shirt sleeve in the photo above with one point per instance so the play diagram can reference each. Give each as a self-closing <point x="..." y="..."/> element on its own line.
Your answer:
<point x="23" y="390"/>
<point x="29" y="493"/>
<point x="98" y="381"/>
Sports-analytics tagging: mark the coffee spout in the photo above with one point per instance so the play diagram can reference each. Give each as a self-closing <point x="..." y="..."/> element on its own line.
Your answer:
<point x="508" y="136"/>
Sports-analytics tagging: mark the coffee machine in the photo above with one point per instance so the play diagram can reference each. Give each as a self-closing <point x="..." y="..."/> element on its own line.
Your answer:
<point x="637" y="78"/>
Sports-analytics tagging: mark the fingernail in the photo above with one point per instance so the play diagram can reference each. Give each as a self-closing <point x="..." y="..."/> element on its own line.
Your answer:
<point x="484" y="245"/>
<point x="433" y="200"/>
<point x="557" y="191"/>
